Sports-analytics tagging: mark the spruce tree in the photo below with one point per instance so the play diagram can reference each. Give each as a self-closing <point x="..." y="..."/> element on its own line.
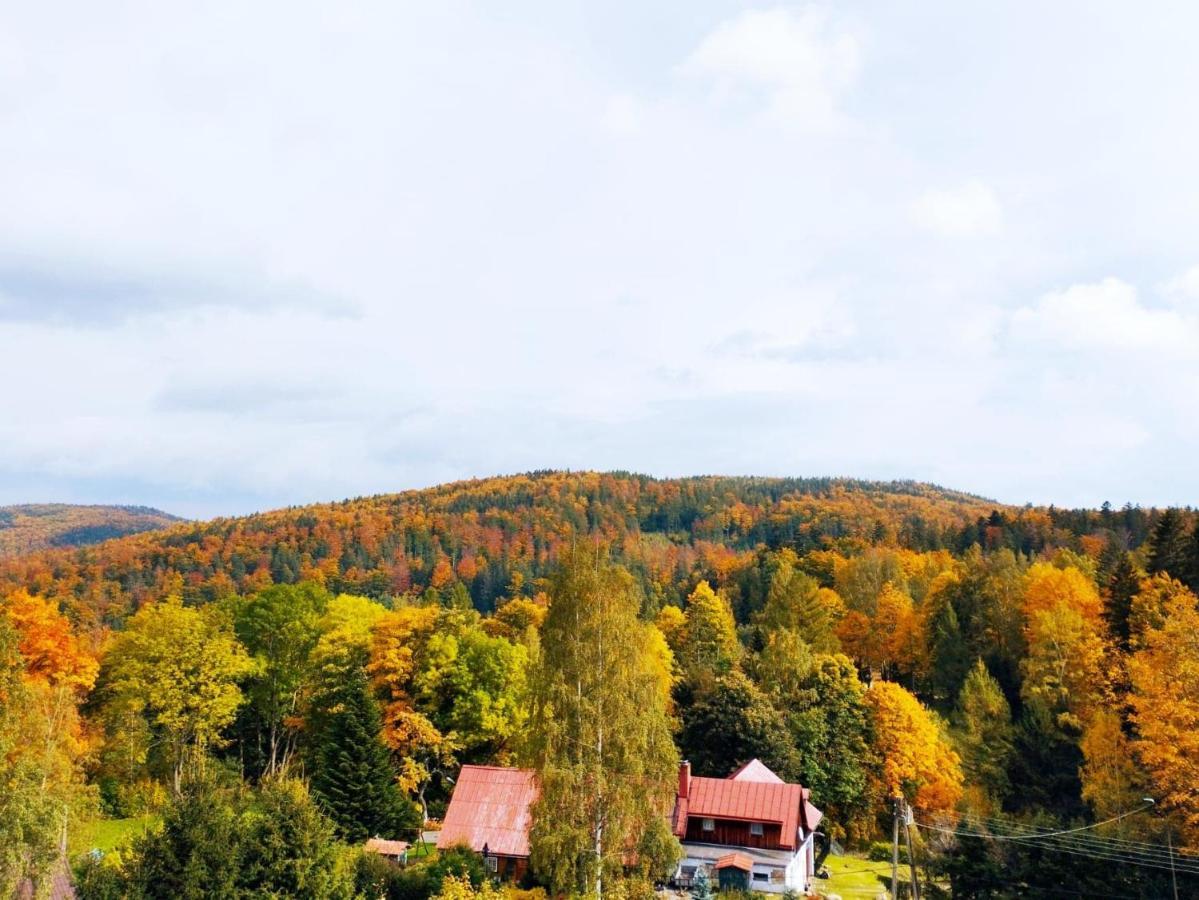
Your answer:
<point x="950" y="656"/>
<point x="353" y="777"/>
<point x="1123" y="585"/>
<point x="1168" y="550"/>
<point x="1191" y="576"/>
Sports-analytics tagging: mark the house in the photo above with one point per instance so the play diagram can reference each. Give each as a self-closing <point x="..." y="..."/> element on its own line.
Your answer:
<point x="489" y="812"/>
<point x="393" y="851"/>
<point x="751" y="829"/>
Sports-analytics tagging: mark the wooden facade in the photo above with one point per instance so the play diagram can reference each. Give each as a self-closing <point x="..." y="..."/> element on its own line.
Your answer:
<point x="733" y="833"/>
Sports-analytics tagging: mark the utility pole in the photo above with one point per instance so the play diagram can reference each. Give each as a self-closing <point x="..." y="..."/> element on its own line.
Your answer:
<point x="1170" y="844"/>
<point x="907" y="831"/>
<point x="895" y="852"/>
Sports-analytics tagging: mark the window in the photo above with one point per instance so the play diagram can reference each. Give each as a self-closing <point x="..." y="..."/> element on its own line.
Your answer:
<point x="755" y="828"/>
<point x="492" y="863"/>
<point x="761" y="876"/>
<point x="709" y="825"/>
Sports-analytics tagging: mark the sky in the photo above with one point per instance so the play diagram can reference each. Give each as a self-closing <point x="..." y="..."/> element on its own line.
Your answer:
<point x="262" y="254"/>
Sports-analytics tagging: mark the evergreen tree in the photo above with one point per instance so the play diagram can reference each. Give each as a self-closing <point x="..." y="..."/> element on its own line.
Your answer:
<point x="353" y="778"/>
<point x="984" y="732"/>
<point x="599" y="734"/>
<point x="1124" y="584"/>
<point x="1168" y="550"/>
<point x="701" y="887"/>
<point x="1191" y="575"/>
<point x="950" y="657"/>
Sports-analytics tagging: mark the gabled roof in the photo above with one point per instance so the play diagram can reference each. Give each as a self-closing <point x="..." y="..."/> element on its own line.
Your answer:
<point x="490" y="805"/>
<point x="755" y="770"/>
<point x="735" y="861"/>
<point x="751" y="794"/>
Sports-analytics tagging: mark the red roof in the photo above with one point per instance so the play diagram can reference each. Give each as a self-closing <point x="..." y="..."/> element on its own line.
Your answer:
<point x="490" y="805"/>
<point x="736" y="861"/>
<point x="751" y="794"/>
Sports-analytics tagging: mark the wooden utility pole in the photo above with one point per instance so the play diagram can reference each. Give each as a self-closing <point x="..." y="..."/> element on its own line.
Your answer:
<point x="895" y="852"/>
<point x="907" y="831"/>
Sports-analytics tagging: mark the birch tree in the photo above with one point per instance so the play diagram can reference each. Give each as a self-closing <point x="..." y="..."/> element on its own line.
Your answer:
<point x="600" y="738"/>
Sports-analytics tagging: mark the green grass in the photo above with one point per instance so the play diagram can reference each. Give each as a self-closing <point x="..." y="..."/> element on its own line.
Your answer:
<point x="111" y="834"/>
<point x="854" y="878"/>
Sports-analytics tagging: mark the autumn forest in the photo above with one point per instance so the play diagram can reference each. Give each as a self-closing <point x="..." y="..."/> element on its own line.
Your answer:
<point x="265" y="693"/>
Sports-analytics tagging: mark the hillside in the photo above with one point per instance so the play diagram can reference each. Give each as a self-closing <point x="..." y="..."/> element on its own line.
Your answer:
<point x="481" y="534"/>
<point x="31" y="527"/>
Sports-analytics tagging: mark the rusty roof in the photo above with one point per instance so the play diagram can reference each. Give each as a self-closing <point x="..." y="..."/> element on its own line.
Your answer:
<point x="735" y="861"/>
<point x="490" y="806"/>
<point x="386" y="847"/>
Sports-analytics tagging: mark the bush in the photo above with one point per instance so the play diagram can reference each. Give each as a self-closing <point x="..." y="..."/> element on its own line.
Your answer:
<point x="880" y="851"/>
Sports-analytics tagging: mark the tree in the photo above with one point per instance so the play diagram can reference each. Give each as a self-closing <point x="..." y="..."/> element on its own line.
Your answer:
<point x="291" y="847"/>
<point x="1112" y="782"/>
<point x="352" y="775"/>
<point x="1047" y="586"/>
<point x="279" y="627"/>
<point x="1165" y="708"/>
<point x="917" y="761"/>
<point x="1124" y="584"/>
<point x="701" y="887"/>
<point x="984" y="733"/>
<point x="1168" y="546"/>
<point x="733" y="723"/>
<point x="31" y="821"/>
<point x="830" y="724"/>
<point x="177" y="668"/>
<point x="599" y="733"/>
<point x="1064" y="668"/>
<point x="949" y="655"/>
<point x="797" y="602"/>
<point x="710" y="644"/>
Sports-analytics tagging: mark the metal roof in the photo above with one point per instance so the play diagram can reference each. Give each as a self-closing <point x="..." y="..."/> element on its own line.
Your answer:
<point x="387" y="848"/>
<point x="490" y="806"/>
<point x="736" y="861"/>
<point x="755" y="770"/>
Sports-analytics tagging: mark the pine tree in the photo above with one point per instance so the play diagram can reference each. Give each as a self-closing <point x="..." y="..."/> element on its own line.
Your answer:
<point x="1123" y="585"/>
<point x="353" y="778"/>
<point x="950" y="657"/>
<point x="1168" y="550"/>
<point x="1191" y="575"/>
<point x="701" y="887"/>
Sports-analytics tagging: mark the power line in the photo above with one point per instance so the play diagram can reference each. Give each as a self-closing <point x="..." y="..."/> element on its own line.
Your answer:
<point x="1124" y="815"/>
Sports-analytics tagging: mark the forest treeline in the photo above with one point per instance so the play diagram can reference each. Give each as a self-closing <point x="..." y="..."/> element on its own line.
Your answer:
<point x="993" y="665"/>
<point x="39" y="526"/>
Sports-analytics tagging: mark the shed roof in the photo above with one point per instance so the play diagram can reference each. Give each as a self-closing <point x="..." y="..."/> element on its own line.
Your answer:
<point x="490" y="806"/>
<point x="735" y="861"/>
<point x="386" y="847"/>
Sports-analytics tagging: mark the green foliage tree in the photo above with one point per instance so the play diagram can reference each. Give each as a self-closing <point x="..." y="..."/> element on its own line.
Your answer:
<point x="732" y="723"/>
<point x="830" y="727"/>
<point x="599" y="732"/>
<point x="279" y="627"/>
<point x="793" y="602"/>
<point x="177" y="669"/>
<point x="1168" y="546"/>
<point x="701" y="887"/>
<point x="1122" y="586"/>
<point x="983" y="721"/>
<point x="949" y="663"/>
<point x="352" y="774"/>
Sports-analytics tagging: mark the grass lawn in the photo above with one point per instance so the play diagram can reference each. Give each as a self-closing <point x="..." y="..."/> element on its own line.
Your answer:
<point x="109" y="834"/>
<point x="854" y="878"/>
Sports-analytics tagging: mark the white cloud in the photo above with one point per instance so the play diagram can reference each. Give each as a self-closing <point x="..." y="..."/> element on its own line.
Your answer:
<point x="800" y="63"/>
<point x="966" y="211"/>
<point x="1183" y="291"/>
<point x="1107" y="316"/>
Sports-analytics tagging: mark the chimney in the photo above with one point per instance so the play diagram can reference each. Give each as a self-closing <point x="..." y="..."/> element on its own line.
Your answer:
<point x="684" y="779"/>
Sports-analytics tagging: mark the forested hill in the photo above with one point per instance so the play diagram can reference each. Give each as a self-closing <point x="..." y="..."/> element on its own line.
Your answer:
<point x="480" y="536"/>
<point x="31" y="527"/>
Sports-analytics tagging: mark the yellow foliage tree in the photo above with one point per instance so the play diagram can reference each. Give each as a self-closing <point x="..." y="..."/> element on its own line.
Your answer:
<point x="1065" y="668"/>
<point x="916" y="760"/>
<point x="1047" y="586"/>
<point x="1165" y="709"/>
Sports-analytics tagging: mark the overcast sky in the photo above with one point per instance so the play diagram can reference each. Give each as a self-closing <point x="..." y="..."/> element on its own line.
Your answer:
<point x="257" y="254"/>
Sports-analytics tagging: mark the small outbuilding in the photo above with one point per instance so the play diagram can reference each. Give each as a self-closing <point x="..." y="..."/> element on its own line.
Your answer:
<point x="393" y="851"/>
